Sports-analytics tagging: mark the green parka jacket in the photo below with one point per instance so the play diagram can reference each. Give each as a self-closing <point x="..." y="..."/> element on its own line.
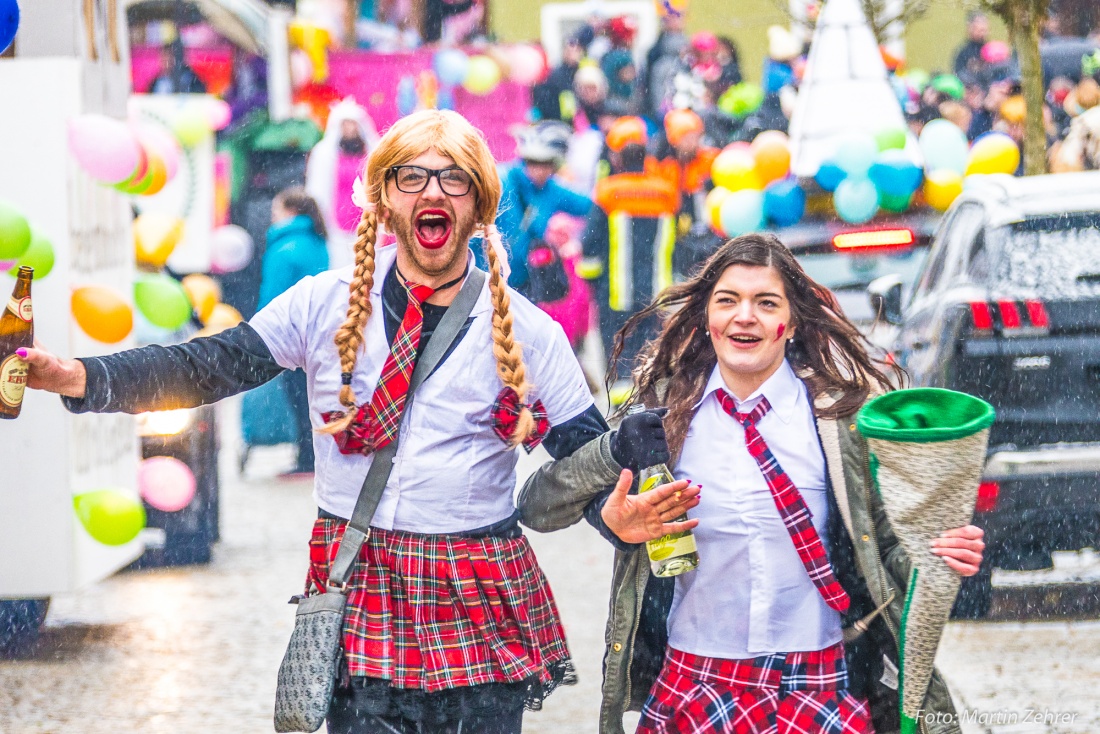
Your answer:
<point x="866" y="557"/>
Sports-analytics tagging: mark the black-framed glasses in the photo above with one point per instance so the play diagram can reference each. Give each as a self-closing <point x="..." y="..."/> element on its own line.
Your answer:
<point x="414" y="179"/>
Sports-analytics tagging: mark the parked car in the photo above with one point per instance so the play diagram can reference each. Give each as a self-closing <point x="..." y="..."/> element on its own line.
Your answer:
<point x="1008" y="308"/>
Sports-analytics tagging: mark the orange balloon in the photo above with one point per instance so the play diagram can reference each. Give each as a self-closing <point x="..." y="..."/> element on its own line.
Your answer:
<point x="224" y="316"/>
<point x="204" y="293"/>
<point x="158" y="171"/>
<point x="102" y="313"/>
<point x="772" y="152"/>
<point x="155" y="236"/>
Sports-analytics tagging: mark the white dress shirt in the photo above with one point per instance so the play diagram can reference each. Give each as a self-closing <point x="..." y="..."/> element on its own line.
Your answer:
<point x="451" y="472"/>
<point x="751" y="594"/>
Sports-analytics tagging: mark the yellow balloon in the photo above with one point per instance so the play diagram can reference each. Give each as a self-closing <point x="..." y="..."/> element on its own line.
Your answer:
<point x="191" y="125"/>
<point x="482" y="75"/>
<point x="155" y="236"/>
<point x="713" y="204"/>
<point x="941" y="188"/>
<point x="223" y="316"/>
<point x="102" y="313"/>
<point x="993" y="153"/>
<point x="735" y="169"/>
<point x="204" y="294"/>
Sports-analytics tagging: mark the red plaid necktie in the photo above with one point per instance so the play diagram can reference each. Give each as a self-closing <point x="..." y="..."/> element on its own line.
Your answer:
<point x="792" y="508"/>
<point x="384" y="413"/>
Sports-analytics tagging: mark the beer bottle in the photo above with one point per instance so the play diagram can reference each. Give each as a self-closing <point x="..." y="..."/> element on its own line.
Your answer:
<point x="16" y="331"/>
<point x="675" y="553"/>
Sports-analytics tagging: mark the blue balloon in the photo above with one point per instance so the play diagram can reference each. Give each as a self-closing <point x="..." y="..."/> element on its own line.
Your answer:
<point x="829" y="175"/>
<point x="445" y="99"/>
<point x="856" y="200"/>
<point x="406" y="95"/>
<point x="450" y="66"/>
<point x="742" y="212"/>
<point x="894" y="174"/>
<point x="9" y="23"/>
<point x="856" y="153"/>
<point x="944" y="147"/>
<point x="784" y="202"/>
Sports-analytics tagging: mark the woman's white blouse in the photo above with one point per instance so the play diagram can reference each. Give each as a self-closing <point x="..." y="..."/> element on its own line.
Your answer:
<point x="451" y="472"/>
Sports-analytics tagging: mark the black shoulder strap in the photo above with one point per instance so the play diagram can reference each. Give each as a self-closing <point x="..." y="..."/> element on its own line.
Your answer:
<point x="379" y="473"/>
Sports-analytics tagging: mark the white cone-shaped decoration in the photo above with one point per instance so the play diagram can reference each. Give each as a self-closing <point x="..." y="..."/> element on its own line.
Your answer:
<point x="844" y="89"/>
<point x="927" y="453"/>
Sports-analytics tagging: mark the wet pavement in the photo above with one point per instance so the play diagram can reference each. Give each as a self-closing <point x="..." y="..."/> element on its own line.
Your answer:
<point x="196" y="649"/>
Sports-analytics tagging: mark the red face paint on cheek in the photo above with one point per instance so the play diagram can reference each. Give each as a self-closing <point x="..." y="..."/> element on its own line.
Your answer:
<point x="779" y="332"/>
<point x="715" y="333"/>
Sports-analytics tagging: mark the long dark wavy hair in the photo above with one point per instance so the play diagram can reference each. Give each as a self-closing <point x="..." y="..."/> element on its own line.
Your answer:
<point x="829" y="351"/>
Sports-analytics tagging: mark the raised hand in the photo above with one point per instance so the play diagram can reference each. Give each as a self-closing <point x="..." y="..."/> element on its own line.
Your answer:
<point x="636" y="518"/>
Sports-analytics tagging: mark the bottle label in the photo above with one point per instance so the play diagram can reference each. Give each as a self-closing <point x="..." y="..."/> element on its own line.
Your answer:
<point x="673" y="544"/>
<point x="13" y="381"/>
<point x="21" y="308"/>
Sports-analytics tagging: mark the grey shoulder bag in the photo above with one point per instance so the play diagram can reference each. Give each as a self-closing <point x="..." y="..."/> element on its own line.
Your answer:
<point x="308" y="672"/>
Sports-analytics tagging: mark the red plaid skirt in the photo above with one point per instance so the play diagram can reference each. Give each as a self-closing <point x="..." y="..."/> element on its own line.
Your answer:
<point x="433" y="612"/>
<point x="792" y="693"/>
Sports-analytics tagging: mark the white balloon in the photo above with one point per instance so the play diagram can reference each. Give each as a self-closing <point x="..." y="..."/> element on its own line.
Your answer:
<point x="231" y="249"/>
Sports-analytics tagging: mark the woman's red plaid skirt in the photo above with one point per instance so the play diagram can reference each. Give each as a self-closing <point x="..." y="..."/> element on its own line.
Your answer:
<point x="433" y="612"/>
<point x="792" y="693"/>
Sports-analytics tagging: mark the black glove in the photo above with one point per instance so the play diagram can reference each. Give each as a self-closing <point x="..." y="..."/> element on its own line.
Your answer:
<point x="640" y="441"/>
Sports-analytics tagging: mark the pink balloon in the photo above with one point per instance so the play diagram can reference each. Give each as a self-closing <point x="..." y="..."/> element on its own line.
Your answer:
<point x="996" y="52"/>
<point x="104" y="147"/>
<point x="219" y="113"/>
<point x="160" y="141"/>
<point x="528" y="64"/>
<point x="166" y="483"/>
<point x="6" y="265"/>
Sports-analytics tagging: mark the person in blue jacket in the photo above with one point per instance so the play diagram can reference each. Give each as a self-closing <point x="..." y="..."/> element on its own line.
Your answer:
<point x="295" y="248"/>
<point x="530" y="196"/>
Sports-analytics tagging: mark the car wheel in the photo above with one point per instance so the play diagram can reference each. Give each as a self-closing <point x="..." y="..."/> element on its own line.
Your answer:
<point x="975" y="595"/>
<point x="20" y="622"/>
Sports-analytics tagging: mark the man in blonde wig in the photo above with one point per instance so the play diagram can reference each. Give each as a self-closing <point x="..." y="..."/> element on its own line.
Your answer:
<point x="450" y="624"/>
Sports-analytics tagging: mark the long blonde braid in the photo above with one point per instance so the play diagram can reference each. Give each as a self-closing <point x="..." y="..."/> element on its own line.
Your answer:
<point x="349" y="337"/>
<point x="506" y="350"/>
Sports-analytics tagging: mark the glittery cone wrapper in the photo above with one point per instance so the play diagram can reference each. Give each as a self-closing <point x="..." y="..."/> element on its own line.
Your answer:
<point x="927" y="453"/>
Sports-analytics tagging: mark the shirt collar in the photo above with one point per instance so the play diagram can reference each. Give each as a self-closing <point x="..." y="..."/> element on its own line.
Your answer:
<point x="782" y="390"/>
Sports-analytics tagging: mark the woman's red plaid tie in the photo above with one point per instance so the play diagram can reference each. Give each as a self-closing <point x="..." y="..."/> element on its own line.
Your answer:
<point x="388" y="401"/>
<point x="792" y="508"/>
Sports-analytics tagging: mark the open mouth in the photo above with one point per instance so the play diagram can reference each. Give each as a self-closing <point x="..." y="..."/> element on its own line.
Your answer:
<point x="744" y="341"/>
<point x="432" y="227"/>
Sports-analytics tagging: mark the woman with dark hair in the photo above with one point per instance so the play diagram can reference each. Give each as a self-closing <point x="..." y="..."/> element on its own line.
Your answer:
<point x="790" y="623"/>
<point x="296" y="248"/>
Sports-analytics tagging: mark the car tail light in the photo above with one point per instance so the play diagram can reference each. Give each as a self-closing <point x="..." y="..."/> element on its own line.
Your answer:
<point x="983" y="317"/>
<point x="1010" y="315"/>
<point x="1010" y="318"/>
<point x="873" y="238"/>
<point x="1037" y="314"/>
<point x="988" y="493"/>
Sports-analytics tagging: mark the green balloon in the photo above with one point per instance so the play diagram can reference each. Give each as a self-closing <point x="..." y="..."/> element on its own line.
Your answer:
<point x="162" y="301"/>
<point x="15" y="233"/>
<point x="890" y="138"/>
<point x="741" y="100"/>
<point x="38" y="256"/>
<point x="111" y="516"/>
<point x="950" y="85"/>
<point x="893" y="202"/>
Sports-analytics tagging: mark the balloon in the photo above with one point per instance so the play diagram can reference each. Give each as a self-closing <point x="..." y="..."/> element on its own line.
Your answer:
<point x="104" y="147"/>
<point x="892" y="203"/>
<point x="482" y="75"/>
<point x="941" y="188"/>
<point x="203" y="292"/>
<point x="224" y="316"/>
<point x="162" y="301"/>
<point x="735" y="169"/>
<point x="713" y="204"/>
<point x="950" y="85"/>
<point x="406" y="95"/>
<point x="741" y="100"/>
<point x="784" y="202"/>
<point x="9" y="22"/>
<point x="39" y="255"/>
<point x="155" y="236"/>
<point x="993" y="153"/>
<point x="159" y="140"/>
<point x="450" y="66"/>
<point x="855" y="154"/>
<point x="944" y="146"/>
<point x="15" y="233"/>
<point x="191" y="125"/>
<point x="218" y="113"/>
<point x="7" y="265"/>
<point x="890" y="138"/>
<point x="742" y="212"/>
<point x="158" y="176"/>
<point x="111" y="516"/>
<point x="230" y="249"/>
<point x="166" y="483"/>
<point x="996" y="52"/>
<point x="856" y="200"/>
<point x="102" y="313"/>
<point x="917" y="79"/>
<point x="528" y="64"/>
<point x="772" y="153"/>
<point x="894" y="174"/>
<point x="446" y="98"/>
<point x="829" y="175"/>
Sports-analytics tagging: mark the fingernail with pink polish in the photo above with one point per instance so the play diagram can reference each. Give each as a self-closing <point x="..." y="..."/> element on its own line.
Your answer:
<point x="21" y="353"/>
